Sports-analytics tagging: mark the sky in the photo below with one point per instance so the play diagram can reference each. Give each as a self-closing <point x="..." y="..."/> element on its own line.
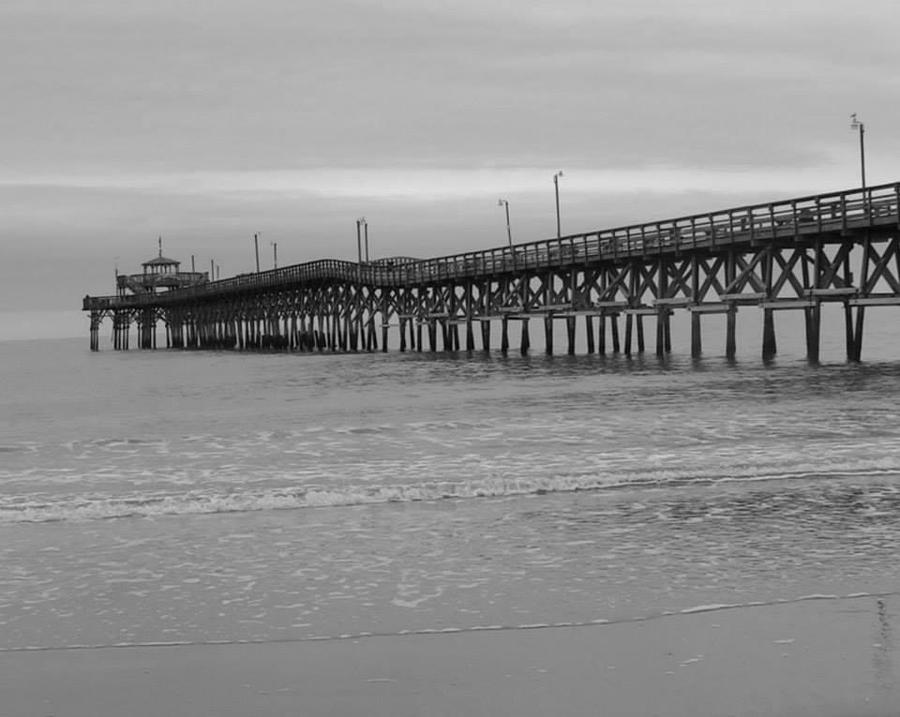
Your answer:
<point x="206" y="121"/>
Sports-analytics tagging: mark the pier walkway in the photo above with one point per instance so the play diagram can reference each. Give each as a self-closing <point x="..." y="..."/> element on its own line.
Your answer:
<point x="791" y="254"/>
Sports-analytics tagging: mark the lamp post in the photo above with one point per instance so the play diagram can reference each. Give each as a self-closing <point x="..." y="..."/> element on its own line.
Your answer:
<point x="366" y="237"/>
<point x="274" y="253"/>
<point x="362" y="225"/>
<point x="856" y="124"/>
<point x="556" y="188"/>
<point x="505" y="203"/>
<point x="256" y="248"/>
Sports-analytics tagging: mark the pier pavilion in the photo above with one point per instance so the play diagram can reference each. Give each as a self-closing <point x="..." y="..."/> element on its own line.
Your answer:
<point x="793" y="254"/>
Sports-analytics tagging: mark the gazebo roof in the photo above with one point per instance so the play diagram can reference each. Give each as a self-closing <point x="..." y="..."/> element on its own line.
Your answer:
<point x="161" y="261"/>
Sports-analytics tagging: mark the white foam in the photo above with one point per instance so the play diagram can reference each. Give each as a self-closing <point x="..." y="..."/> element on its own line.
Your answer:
<point x="237" y="495"/>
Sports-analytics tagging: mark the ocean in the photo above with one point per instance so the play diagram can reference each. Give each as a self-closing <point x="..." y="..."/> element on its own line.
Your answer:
<point x="185" y="497"/>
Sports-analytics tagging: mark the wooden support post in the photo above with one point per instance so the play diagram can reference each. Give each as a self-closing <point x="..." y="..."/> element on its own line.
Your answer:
<point x="432" y="335"/>
<point x="470" y="335"/>
<point x="730" y="332"/>
<point x="858" y="333"/>
<point x="485" y="336"/>
<point x="525" y="343"/>
<point x="629" y="319"/>
<point x="385" y="320"/>
<point x="660" y="332"/>
<point x="548" y="334"/>
<point x="95" y="331"/>
<point x="864" y="289"/>
<point x="419" y="343"/>
<point x="601" y="335"/>
<point x="696" y="341"/>
<point x="322" y="335"/>
<point x="813" y="323"/>
<point x="769" y="348"/>
<point x="639" y="320"/>
<point x="504" y="335"/>
<point x="667" y="330"/>
<point x="614" y="327"/>
<point x="402" y="335"/>
<point x="454" y="336"/>
<point x="589" y="333"/>
<point x="570" y="329"/>
<point x="848" y="331"/>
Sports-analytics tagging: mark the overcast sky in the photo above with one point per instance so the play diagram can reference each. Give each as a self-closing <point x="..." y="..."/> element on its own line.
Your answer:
<point x="204" y="121"/>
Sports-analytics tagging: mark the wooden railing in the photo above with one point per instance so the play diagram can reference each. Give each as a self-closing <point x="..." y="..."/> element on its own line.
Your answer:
<point x="789" y="219"/>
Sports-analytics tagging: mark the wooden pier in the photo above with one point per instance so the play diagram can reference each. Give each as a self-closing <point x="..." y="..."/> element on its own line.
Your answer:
<point x="796" y="254"/>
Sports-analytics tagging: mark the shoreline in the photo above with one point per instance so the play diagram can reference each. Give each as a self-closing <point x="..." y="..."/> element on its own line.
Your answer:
<point x="834" y="657"/>
<point x="352" y="637"/>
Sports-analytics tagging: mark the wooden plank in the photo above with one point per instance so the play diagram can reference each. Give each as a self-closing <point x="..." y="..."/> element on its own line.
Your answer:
<point x="710" y="308"/>
<point x="746" y="298"/>
<point x="579" y="312"/>
<point x="875" y="301"/>
<point x="784" y="304"/>
<point x="844" y="292"/>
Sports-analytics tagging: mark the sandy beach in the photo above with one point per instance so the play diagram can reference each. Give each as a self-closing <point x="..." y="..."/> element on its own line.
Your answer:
<point x="822" y="657"/>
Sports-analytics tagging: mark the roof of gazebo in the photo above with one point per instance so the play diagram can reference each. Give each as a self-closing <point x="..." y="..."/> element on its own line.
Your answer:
<point x="161" y="261"/>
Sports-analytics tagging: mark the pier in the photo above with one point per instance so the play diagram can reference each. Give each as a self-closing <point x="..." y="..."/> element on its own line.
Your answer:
<point x="794" y="254"/>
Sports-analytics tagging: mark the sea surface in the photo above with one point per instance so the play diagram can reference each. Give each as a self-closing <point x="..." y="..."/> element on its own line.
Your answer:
<point x="155" y="497"/>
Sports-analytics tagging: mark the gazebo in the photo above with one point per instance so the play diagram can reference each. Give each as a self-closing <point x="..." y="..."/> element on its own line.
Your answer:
<point x="159" y="273"/>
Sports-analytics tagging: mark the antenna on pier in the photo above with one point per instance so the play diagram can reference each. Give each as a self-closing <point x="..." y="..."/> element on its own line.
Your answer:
<point x="160" y="246"/>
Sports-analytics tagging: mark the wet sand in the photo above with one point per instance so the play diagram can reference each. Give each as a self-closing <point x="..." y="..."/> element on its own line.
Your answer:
<point x="822" y="658"/>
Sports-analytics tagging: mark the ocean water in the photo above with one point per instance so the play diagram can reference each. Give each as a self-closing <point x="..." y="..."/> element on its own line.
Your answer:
<point x="197" y="497"/>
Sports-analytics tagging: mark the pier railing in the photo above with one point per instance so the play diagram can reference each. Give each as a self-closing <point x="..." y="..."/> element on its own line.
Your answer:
<point x="788" y="220"/>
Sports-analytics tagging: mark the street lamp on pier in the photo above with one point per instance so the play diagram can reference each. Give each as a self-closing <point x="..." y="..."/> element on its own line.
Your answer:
<point x="256" y="250"/>
<point x="556" y="188"/>
<point x="505" y="203"/>
<point x="362" y="224"/>
<point x="857" y="125"/>
<point x="274" y="253"/>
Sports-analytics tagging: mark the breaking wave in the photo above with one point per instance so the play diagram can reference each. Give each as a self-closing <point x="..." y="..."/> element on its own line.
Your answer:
<point x="84" y="507"/>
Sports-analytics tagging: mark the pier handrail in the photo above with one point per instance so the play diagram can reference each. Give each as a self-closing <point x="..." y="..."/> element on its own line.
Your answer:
<point x="782" y="220"/>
